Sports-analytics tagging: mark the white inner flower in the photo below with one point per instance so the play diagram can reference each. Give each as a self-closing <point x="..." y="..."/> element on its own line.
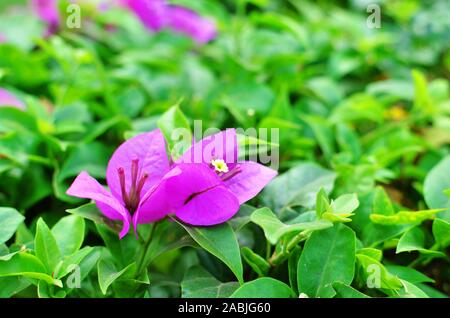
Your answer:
<point x="219" y="165"/>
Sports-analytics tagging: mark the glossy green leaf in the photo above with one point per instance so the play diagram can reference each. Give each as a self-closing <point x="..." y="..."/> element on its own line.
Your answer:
<point x="371" y="252"/>
<point x="10" y="219"/>
<point x="71" y="260"/>
<point x="441" y="232"/>
<point x="221" y="242"/>
<point x="346" y="291"/>
<point x="328" y="257"/>
<point x="108" y="274"/>
<point x="322" y="203"/>
<point x="256" y="262"/>
<point x="375" y="275"/>
<point x="27" y="265"/>
<point x="46" y="247"/>
<point x="414" y="240"/>
<point x="198" y="283"/>
<point x="436" y="182"/>
<point x="298" y="186"/>
<point x="274" y="229"/>
<point x="176" y="129"/>
<point x="292" y="268"/>
<point x="409" y="274"/>
<point x="265" y="287"/>
<point x="345" y="204"/>
<point x="404" y="217"/>
<point x="69" y="234"/>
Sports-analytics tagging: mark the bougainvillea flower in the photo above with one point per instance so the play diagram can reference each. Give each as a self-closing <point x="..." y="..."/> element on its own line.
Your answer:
<point x="188" y="22"/>
<point x="133" y="170"/>
<point x="152" y="13"/>
<point x="8" y="99"/>
<point x="206" y="185"/>
<point x="157" y="14"/>
<point x="47" y="11"/>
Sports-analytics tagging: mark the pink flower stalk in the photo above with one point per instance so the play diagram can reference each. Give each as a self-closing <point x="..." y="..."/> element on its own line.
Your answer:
<point x="8" y="99"/>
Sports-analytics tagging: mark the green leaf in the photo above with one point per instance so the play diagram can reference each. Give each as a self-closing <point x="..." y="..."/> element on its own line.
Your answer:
<point x="422" y="100"/>
<point x="345" y="204"/>
<point x="108" y="274"/>
<point x="86" y="265"/>
<point x="298" y="187"/>
<point x="371" y="252"/>
<point x="74" y="259"/>
<point x="166" y="237"/>
<point x="69" y="234"/>
<point x="274" y="229"/>
<point x="46" y="248"/>
<point x="436" y="182"/>
<point x="430" y="291"/>
<point x="242" y="95"/>
<point x="92" y="158"/>
<point x="346" y="291"/>
<point x="414" y="240"/>
<point x="382" y="204"/>
<point x="176" y="130"/>
<point x="410" y="290"/>
<point x="27" y="265"/>
<point x="198" y="283"/>
<point x="8" y="256"/>
<point x="374" y="272"/>
<point x="121" y="249"/>
<point x="90" y="211"/>
<point x="322" y="203"/>
<point x="404" y="217"/>
<point x="292" y="268"/>
<point x="12" y="285"/>
<point x="323" y="133"/>
<point x="256" y="262"/>
<point x="242" y="217"/>
<point x="221" y="242"/>
<point x="409" y="274"/>
<point x="264" y="287"/>
<point x="441" y="232"/>
<point x="10" y="219"/>
<point x="328" y="257"/>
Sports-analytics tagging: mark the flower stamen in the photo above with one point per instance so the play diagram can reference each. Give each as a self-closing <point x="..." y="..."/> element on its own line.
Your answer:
<point x="219" y="165"/>
<point x="121" y="173"/>
<point x="236" y="170"/>
<point x="133" y="197"/>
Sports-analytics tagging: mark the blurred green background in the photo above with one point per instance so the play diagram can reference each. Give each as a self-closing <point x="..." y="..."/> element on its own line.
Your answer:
<point x="371" y="104"/>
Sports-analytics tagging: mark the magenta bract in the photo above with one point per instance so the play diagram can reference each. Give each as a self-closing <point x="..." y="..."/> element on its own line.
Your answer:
<point x="204" y="187"/>
<point x="8" y="99"/>
<point x="47" y="10"/>
<point x="157" y="14"/>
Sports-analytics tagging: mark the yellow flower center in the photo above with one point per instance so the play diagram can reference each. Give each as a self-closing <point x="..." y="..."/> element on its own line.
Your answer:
<point x="219" y="165"/>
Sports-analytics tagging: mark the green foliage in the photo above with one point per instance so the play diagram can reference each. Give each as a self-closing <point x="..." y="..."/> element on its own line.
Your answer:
<point x="358" y="127"/>
<point x="10" y="220"/>
<point x="328" y="257"/>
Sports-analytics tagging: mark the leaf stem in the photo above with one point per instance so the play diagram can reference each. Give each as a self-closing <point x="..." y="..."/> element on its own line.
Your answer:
<point x="144" y="251"/>
<point x="278" y="258"/>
